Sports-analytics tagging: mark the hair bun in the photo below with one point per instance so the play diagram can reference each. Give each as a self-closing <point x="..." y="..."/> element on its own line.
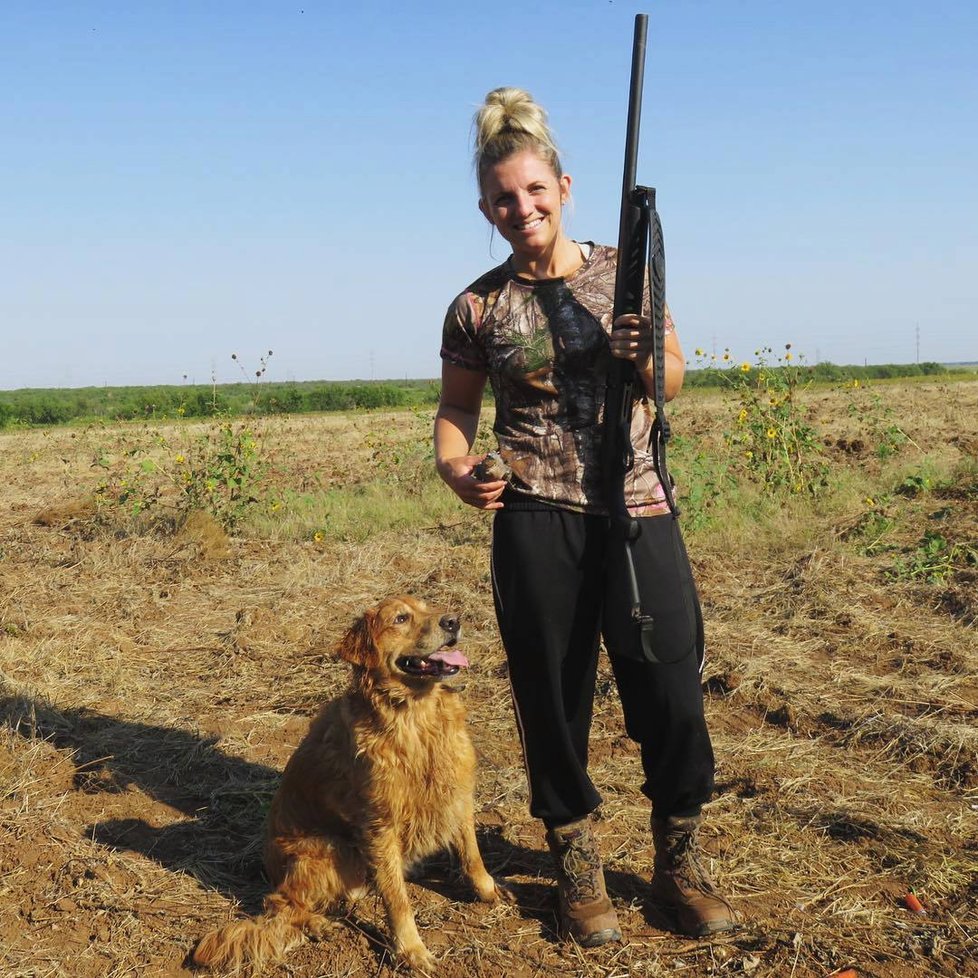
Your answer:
<point x="510" y="121"/>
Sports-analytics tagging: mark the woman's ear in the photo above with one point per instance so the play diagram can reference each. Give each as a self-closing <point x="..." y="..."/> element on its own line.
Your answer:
<point x="485" y="209"/>
<point x="565" y="185"/>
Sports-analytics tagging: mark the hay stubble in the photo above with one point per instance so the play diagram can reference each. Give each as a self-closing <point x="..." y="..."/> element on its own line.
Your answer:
<point x="153" y="687"/>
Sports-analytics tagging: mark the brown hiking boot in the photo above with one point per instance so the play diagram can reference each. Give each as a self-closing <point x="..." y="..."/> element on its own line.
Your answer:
<point x="586" y="913"/>
<point x="681" y="884"/>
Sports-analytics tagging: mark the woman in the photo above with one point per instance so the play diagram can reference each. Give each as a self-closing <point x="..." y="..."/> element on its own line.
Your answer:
<point x="538" y="328"/>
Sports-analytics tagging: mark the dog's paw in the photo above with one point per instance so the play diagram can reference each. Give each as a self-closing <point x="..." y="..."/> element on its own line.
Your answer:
<point x="503" y="893"/>
<point x="492" y="891"/>
<point x="418" y="958"/>
<point x="316" y="926"/>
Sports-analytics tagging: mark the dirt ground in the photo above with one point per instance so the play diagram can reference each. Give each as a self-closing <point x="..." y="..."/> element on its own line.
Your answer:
<point x="152" y="688"/>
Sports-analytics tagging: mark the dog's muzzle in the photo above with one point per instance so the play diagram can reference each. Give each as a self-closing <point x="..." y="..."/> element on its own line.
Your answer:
<point x="442" y="663"/>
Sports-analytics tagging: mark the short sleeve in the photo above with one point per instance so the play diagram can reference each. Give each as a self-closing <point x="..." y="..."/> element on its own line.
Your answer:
<point x="460" y="334"/>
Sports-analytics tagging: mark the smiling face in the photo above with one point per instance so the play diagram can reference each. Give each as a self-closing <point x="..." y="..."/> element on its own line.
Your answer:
<point x="524" y="198"/>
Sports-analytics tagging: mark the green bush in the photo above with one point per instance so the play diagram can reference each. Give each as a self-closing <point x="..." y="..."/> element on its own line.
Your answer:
<point x="711" y="375"/>
<point x="54" y="406"/>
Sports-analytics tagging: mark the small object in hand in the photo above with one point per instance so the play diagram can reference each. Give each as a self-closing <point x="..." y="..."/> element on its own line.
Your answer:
<point x="491" y="469"/>
<point x="912" y="903"/>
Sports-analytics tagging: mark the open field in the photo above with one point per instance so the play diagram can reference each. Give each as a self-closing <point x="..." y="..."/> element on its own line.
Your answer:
<point x="156" y="672"/>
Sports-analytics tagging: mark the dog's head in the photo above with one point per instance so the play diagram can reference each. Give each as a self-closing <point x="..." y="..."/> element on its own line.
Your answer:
<point x="403" y="639"/>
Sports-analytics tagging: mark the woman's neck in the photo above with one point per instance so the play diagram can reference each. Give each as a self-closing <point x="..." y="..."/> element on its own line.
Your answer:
<point x="559" y="261"/>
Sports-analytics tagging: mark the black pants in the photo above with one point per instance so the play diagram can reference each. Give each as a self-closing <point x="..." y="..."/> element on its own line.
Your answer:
<point x="558" y="584"/>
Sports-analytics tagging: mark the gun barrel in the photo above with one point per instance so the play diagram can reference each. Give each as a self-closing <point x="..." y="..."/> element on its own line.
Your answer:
<point x="629" y="283"/>
<point x="634" y="118"/>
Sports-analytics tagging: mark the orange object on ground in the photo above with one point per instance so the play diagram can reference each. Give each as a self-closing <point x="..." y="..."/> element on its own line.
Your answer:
<point x="848" y="973"/>
<point x="913" y="904"/>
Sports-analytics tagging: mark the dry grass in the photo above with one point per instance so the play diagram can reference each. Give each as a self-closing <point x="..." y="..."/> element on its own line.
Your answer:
<point x="151" y="688"/>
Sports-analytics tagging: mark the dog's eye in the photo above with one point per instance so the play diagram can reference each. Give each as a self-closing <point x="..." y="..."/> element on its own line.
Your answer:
<point x="401" y="618"/>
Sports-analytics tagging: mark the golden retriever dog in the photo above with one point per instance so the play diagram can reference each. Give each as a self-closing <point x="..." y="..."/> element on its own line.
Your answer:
<point x="384" y="777"/>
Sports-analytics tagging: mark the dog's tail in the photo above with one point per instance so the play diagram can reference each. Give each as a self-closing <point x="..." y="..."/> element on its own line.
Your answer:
<point x="255" y="941"/>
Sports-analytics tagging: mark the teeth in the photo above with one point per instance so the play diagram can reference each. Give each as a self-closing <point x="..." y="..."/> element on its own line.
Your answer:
<point x="531" y="224"/>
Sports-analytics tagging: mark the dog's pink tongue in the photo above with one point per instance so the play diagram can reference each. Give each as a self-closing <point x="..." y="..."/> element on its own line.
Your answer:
<point x="451" y="657"/>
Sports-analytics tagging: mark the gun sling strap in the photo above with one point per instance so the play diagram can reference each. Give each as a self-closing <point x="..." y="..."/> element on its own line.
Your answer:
<point x="657" y="305"/>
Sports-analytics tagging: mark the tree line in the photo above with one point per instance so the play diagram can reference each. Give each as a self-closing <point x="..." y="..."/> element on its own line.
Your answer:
<point x="53" y="406"/>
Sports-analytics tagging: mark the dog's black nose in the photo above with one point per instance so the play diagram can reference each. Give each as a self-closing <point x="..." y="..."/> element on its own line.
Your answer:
<point x="451" y="624"/>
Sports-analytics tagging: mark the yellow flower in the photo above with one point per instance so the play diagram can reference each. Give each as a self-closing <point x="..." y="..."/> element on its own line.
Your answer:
<point x="771" y="433"/>
<point x="748" y="454"/>
<point x="275" y="506"/>
<point x="855" y="384"/>
<point x="787" y="356"/>
<point x="318" y="536"/>
<point x="742" y="417"/>
<point x="179" y="460"/>
<point x="699" y="352"/>
<point x="745" y="368"/>
<point x="869" y="501"/>
<point x="726" y="356"/>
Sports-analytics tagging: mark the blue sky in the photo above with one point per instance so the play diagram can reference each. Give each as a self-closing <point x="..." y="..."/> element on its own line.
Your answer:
<point x="187" y="180"/>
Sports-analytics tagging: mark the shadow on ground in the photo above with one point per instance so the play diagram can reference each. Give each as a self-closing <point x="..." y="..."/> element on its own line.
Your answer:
<point x="223" y="799"/>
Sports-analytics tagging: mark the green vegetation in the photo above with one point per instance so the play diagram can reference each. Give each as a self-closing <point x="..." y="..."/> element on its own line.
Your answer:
<point x="156" y="483"/>
<point x="56" y="406"/>
<point x="53" y="406"/>
<point x="778" y="446"/>
<point x="712" y="374"/>
<point x="934" y="559"/>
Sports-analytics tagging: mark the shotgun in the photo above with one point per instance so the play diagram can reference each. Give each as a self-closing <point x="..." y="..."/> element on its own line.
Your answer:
<point x="641" y="264"/>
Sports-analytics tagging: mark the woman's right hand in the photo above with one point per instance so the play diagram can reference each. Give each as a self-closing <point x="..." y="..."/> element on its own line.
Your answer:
<point x="457" y="475"/>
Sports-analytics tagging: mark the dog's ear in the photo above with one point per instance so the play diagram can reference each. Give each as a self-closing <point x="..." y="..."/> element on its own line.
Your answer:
<point x="357" y="644"/>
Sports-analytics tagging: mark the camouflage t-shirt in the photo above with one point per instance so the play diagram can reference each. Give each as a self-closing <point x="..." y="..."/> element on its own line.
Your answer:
<point x="544" y="347"/>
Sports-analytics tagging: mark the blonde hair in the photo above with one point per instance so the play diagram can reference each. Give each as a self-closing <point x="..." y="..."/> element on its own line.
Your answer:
<point x="509" y="122"/>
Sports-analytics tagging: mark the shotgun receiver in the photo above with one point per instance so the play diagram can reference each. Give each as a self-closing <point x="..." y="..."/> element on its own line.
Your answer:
<point x="641" y="263"/>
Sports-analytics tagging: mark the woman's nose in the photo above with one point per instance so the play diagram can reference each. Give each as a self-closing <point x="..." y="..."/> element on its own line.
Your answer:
<point x="524" y="204"/>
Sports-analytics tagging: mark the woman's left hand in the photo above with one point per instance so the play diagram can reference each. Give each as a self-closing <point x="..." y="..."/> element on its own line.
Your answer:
<point x="631" y="339"/>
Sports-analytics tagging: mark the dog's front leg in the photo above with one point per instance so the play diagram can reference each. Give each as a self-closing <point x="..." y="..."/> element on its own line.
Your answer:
<point x="388" y="868"/>
<point x="487" y="889"/>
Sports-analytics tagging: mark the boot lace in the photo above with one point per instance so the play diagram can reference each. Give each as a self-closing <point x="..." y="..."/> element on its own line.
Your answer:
<point x="684" y="861"/>
<point x="581" y="867"/>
